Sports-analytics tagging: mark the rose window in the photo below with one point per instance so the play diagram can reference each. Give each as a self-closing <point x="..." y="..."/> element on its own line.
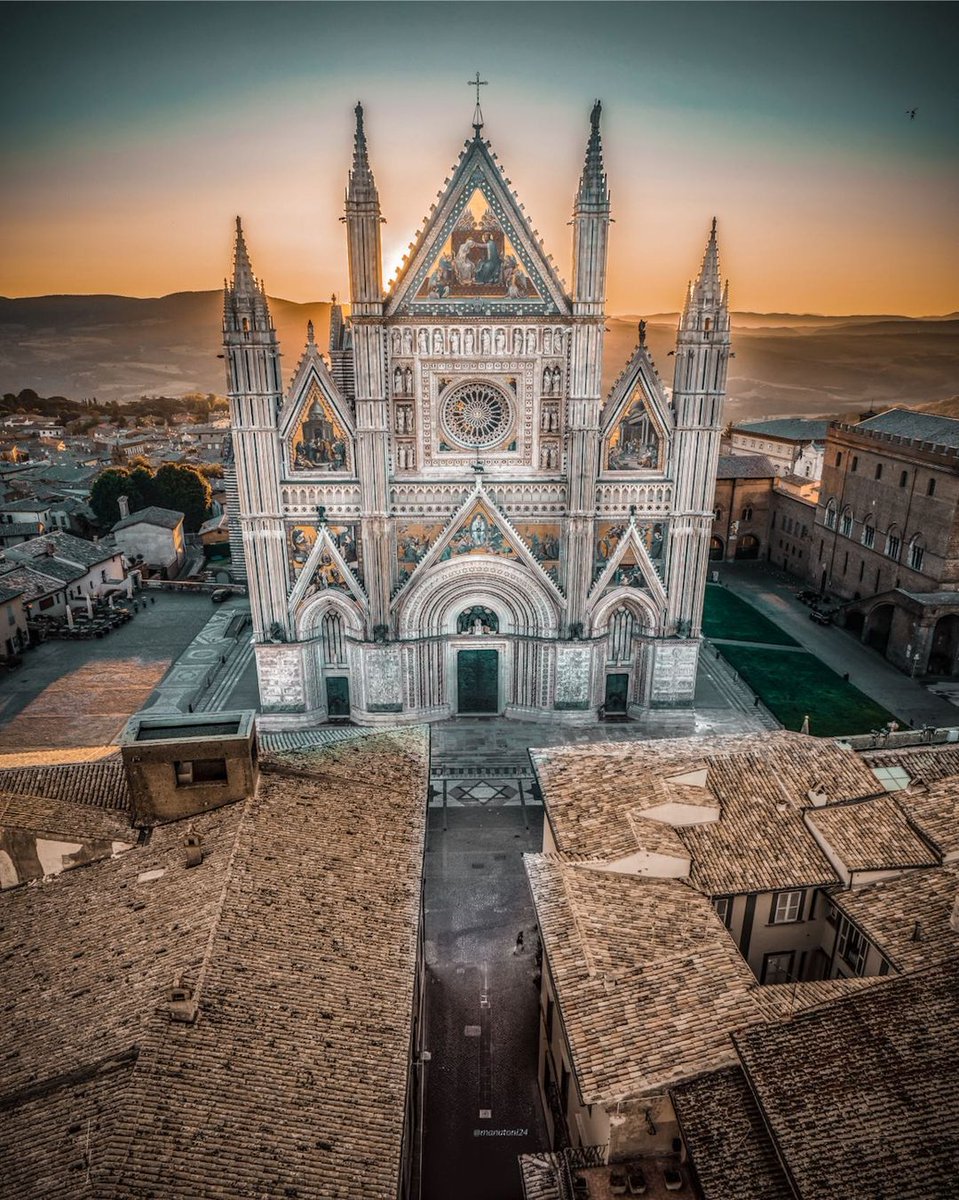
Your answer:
<point x="477" y="415"/>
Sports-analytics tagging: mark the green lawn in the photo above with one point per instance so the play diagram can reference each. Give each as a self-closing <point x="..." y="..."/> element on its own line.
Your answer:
<point x="726" y="616"/>
<point x="793" y="684"/>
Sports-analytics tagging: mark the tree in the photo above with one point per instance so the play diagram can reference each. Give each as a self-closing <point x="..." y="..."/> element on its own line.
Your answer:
<point x="105" y="494"/>
<point x="185" y="490"/>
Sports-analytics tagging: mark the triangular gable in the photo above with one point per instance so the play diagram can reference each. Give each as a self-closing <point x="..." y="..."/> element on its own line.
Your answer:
<point x="479" y="526"/>
<point x="477" y="252"/>
<point x="630" y="566"/>
<point x="638" y="395"/>
<point x="316" y="425"/>
<point x="325" y="570"/>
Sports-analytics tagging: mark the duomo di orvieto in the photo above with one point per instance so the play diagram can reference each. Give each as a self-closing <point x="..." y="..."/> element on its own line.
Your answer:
<point x="445" y="514"/>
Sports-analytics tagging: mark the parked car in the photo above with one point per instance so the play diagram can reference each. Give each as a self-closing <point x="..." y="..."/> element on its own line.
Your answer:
<point x="823" y="617"/>
<point x="220" y="595"/>
<point x="807" y="596"/>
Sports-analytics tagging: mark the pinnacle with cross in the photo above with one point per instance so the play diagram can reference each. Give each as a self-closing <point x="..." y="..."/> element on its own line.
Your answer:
<point x="477" y="111"/>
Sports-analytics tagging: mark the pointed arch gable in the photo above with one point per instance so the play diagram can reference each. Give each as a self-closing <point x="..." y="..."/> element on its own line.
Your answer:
<point x="325" y="570"/>
<point x="480" y="527"/>
<point x="637" y="394"/>
<point x="630" y="550"/>
<point x="316" y="414"/>
<point x="478" y="194"/>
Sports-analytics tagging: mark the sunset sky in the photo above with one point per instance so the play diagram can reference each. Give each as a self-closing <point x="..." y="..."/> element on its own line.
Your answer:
<point x="132" y="133"/>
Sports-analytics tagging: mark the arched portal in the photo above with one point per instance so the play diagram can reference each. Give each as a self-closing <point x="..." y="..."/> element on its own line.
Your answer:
<point x="627" y="621"/>
<point x="945" y="646"/>
<point x="473" y="627"/>
<point x="330" y="623"/>
<point x="747" y="547"/>
<point x="716" y="549"/>
<point x="878" y="627"/>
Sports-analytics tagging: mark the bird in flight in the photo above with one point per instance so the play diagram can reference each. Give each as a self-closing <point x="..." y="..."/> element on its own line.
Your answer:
<point x="911" y="113"/>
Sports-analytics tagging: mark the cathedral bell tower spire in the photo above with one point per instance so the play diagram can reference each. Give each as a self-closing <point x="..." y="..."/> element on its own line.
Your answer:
<point x="363" y="220"/>
<point x="255" y="388"/>
<point x="590" y="243"/>
<point x="699" y="389"/>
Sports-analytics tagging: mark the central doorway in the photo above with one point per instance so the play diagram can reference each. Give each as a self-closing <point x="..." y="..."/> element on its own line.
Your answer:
<point x="617" y="691"/>
<point x="477" y="681"/>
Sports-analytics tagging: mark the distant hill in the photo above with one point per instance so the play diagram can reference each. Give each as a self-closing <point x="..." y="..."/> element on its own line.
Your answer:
<point x="119" y="348"/>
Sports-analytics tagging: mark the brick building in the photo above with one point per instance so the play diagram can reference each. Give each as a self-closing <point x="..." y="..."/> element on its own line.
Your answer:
<point x="741" y="507"/>
<point x="887" y="535"/>
<point x="791" y="521"/>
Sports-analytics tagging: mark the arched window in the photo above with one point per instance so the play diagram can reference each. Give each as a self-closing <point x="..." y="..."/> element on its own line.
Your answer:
<point x="477" y="620"/>
<point x="868" y="535"/>
<point x="917" y="551"/>
<point x="931" y="488"/>
<point x="845" y="522"/>
<point x="334" y="644"/>
<point x="718" y="514"/>
<point x="747" y="513"/>
<point x="622" y="630"/>
<point x="893" y="543"/>
<point x="831" y="515"/>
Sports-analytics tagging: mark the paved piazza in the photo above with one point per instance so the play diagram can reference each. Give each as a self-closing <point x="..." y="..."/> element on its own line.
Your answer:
<point x="70" y="694"/>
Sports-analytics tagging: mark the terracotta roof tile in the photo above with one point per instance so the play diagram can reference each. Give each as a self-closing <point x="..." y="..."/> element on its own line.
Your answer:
<point x="871" y="835"/>
<point x="907" y="918"/>
<point x="861" y="1096"/>
<point x="726" y="1138"/>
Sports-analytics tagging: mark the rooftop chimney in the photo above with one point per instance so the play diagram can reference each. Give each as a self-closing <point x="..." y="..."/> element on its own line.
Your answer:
<point x="123" y="502"/>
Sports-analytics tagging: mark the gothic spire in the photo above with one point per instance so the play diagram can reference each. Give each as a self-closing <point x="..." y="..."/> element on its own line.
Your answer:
<point x="592" y="184"/>
<point x="707" y="292"/>
<point x="362" y="186"/>
<point x="244" y="281"/>
<point x="245" y="296"/>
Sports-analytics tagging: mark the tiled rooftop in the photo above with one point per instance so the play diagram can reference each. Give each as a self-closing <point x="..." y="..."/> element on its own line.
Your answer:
<point x="298" y="938"/>
<point x="908" y="917"/>
<point x="761" y="782"/>
<point x="650" y="984"/>
<point x="166" y="518"/>
<point x="862" y="1096"/>
<point x="726" y="1138"/>
<point x="871" y="835"/>
<point x="102" y="783"/>
<point x="744" y="466"/>
<point x="935" y="812"/>
<point x="67" y="547"/>
<point x="922" y="762"/>
<point x="920" y="426"/>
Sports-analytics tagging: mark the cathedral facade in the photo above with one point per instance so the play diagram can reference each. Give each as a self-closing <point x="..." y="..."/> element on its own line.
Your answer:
<point x="445" y="515"/>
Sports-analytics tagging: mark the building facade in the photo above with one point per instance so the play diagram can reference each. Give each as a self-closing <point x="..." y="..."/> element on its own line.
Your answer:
<point x="886" y="539"/>
<point x="447" y="516"/>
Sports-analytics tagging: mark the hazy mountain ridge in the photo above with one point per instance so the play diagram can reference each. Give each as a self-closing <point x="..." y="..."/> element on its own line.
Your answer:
<point x="120" y="347"/>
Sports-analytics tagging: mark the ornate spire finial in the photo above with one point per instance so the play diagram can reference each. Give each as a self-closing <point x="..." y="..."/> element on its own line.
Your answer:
<point x="362" y="186"/>
<point x="592" y="184"/>
<point x="477" y="111"/>
<point x="244" y="281"/>
<point x="309" y="333"/>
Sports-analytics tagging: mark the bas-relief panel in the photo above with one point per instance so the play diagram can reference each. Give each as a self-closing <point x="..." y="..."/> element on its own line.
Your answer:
<point x="301" y="540"/>
<point x="573" y="664"/>
<point x="608" y="534"/>
<point x="634" y="444"/>
<point x="477" y="261"/>
<point x="320" y="443"/>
